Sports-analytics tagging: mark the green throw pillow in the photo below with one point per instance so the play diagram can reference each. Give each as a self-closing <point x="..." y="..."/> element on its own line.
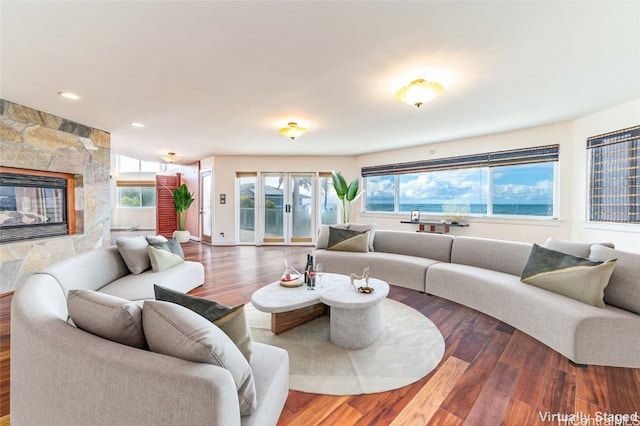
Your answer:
<point x="230" y="320"/>
<point x="348" y="240"/>
<point x="165" y="255"/>
<point x="572" y="276"/>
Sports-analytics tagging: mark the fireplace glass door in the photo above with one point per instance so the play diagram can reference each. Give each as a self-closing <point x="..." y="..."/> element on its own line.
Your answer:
<point x="32" y="206"/>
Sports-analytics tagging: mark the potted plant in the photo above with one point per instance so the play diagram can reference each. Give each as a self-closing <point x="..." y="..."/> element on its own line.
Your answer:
<point x="347" y="194"/>
<point x="182" y="200"/>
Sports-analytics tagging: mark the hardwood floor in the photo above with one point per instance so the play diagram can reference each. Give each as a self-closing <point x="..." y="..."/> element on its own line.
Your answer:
<point x="490" y="374"/>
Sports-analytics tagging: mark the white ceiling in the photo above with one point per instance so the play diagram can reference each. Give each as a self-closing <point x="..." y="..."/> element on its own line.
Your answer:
<point x="215" y="77"/>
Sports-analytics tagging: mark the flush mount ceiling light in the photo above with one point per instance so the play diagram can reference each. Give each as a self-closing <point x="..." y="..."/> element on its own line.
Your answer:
<point x="419" y="92"/>
<point x="69" y="95"/>
<point x="170" y="157"/>
<point x="136" y="124"/>
<point x="292" y="130"/>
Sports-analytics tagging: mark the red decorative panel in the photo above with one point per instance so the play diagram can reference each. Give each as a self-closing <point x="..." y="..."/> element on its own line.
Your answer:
<point x="166" y="216"/>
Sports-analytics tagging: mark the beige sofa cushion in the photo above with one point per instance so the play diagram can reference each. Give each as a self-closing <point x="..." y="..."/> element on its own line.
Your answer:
<point x="110" y="317"/>
<point x="174" y="330"/>
<point x="231" y="320"/>
<point x="348" y="240"/>
<point x="572" y="276"/>
<point x="623" y="290"/>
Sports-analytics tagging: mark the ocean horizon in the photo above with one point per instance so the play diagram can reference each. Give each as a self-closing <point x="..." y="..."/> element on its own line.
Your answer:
<point x="498" y="209"/>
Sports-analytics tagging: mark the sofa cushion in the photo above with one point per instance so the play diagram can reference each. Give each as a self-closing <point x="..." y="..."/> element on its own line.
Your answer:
<point x="156" y="239"/>
<point x="572" y="247"/>
<point x="174" y="330"/>
<point x="348" y="240"/>
<point x="109" y="317"/>
<point x="230" y="320"/>
<point x="623" y="290"/>
<point x="572" y="276"/>
<point x="164" y="255"/>
<point x="134" y="252"/>
<point x="371" y="227"/>
<point x="183" y="277"/>
<point x="323" y="234"/>
<point x="172" y="245"/>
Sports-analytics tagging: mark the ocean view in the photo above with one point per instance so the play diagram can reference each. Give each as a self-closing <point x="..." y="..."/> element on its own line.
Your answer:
<point x="498" y="209"/>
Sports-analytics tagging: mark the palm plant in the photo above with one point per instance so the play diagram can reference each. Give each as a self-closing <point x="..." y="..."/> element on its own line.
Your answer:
<point x="182" y="200"/>
<point x="347" y="194"/>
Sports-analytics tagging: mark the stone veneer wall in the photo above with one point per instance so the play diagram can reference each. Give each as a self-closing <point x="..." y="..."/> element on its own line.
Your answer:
<point x="30" y="139"/>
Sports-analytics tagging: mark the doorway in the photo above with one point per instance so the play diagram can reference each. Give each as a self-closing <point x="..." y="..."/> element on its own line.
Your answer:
<point x="289" y="211"/>
<point x="206" y="206"/>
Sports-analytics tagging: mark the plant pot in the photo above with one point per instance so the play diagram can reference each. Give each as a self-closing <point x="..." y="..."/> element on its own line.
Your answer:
<point x="181" y="236"/>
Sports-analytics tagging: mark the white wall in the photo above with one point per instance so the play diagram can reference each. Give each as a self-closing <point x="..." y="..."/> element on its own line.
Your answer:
<point x="625" y="237"/>
<point x="528" y="230"/>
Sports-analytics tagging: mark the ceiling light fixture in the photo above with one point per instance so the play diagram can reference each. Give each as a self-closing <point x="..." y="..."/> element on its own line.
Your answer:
<point x="69" y="95"/>
<point x="292" y="130"/>
<point x="419" y="92"/>
<point x="136" y="124"/>
<point x="170" y="157"/>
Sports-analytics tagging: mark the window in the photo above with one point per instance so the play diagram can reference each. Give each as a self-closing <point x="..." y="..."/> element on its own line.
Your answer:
<point x="614" y="176"/>
<point x="506" y="183"/>
<point x="136" y="194"/>
<point x="132" y="165"/>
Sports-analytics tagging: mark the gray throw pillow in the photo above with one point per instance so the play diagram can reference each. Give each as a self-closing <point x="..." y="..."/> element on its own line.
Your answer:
<point x="575" y="248"/>
<point x="230" y="320"/>
<point x="323" y="235"/>
<point x="165" y="255"/>
<point x="623" y="290"/>
<point x="134" y="252"/>
<point x="107" y="316"/>
<point x="176" y="331"/>
<point x="348" y="240"/>
<point x="575" y="277"/>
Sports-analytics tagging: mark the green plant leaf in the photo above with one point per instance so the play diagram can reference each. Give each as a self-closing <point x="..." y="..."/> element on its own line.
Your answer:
<point x="352" y="191"/>
<point x="339" y="184"/>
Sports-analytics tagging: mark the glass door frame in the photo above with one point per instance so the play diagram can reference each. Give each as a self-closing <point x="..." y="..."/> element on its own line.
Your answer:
<point x="288" y="209"/>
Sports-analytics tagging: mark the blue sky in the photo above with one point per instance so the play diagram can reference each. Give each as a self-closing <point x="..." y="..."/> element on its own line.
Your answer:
<point x="522" y="184"/>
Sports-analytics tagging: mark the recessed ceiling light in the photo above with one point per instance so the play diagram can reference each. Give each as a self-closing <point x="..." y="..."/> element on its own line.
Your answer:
<point x="69" y="95"/>
<point x="136" y="124"/>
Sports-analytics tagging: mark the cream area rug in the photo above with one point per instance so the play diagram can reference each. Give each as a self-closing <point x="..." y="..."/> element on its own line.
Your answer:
<point x="408" y="348"/>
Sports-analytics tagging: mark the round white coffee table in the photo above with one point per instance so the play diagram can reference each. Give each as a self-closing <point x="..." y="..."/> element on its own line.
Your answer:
<point x="355" y="317"/>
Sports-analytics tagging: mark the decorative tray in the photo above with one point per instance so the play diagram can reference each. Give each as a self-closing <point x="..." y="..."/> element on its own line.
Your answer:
<point x="291" y="281"/>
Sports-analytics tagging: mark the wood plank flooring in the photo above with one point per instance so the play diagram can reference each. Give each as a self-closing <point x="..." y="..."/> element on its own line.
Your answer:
<point x="490" y="374"/>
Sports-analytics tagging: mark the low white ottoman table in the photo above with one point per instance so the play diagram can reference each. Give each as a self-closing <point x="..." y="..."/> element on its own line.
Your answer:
<point x="354" y="316"/>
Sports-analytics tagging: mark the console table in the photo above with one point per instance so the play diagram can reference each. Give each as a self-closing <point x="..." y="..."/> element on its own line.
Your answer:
<point x="433" y="226"/>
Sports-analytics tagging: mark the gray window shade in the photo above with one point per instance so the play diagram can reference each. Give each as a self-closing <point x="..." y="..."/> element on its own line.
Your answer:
<point x="614" y="176"/>
<point x="537" y="154"/>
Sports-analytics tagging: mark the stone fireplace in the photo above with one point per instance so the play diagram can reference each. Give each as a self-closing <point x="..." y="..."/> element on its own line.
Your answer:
<point x="72" y="218"/>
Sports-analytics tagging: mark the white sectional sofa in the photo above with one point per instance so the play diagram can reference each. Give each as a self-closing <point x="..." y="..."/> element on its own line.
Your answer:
<point x="484" y="274"/>
<point x="62" y="375"/>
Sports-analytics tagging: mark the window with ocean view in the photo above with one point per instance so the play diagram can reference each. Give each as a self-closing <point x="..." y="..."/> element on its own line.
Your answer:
<point x="506" y="183"/>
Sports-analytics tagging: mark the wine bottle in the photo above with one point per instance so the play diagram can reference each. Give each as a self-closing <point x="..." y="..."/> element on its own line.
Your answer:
<point x="307" y="268"/>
